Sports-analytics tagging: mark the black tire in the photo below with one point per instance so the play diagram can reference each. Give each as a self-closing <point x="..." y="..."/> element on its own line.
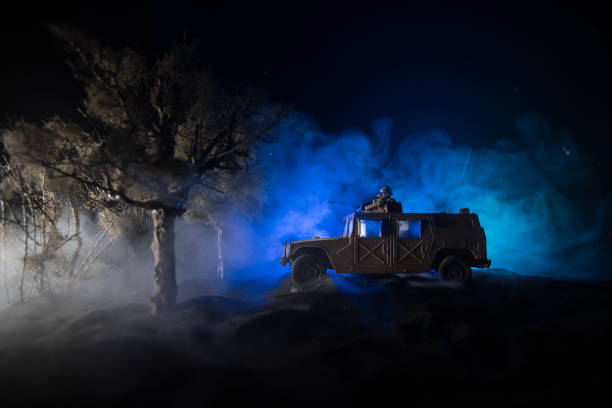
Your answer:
<point x="307" y="270"/>
<point x="454" y="268"/>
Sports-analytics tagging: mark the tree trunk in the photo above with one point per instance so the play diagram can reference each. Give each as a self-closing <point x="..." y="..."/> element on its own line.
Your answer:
<point x="217" y="226"/>
<point x="25" y="252"/>
<point x="220" y="271"/>
<point x="77" y="233"/>
<point x="164" y="297"/>
<point x="4" y="255"/>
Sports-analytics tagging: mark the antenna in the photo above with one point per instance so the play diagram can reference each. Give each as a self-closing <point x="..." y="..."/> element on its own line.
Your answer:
<point x="465" y="166"/>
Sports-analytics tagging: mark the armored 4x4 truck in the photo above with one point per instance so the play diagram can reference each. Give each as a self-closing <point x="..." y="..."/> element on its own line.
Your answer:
<point x="384" y="240"/>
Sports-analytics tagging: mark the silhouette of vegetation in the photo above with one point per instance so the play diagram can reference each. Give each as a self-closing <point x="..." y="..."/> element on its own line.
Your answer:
<point x="151" y="138"/>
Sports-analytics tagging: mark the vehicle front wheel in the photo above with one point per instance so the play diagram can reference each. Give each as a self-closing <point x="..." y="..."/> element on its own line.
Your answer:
<point x="454" y="268"/>
<point x="307" y="270"/>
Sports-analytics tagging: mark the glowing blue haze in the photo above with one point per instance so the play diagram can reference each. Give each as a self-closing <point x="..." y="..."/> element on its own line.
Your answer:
<point x="519" y="188"/>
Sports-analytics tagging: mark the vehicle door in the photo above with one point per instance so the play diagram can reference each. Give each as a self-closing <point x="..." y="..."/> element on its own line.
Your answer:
<point x="343" y="256"/>
<point x="412" y="242"/>
<point x="372" y="243"/>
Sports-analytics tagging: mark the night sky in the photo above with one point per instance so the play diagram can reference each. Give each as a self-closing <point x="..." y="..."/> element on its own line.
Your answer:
<point x="467" y="70"/>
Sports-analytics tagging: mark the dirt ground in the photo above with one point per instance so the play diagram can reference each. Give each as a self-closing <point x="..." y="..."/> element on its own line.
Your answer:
<point x="501" y="338"/>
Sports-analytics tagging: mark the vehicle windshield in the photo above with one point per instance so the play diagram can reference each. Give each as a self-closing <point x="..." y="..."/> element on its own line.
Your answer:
<point x="347" y="229"/>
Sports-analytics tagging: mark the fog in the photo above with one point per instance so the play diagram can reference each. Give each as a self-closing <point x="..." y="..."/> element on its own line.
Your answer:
<point x="536" y="195"/>
<point x="251" y="336"/>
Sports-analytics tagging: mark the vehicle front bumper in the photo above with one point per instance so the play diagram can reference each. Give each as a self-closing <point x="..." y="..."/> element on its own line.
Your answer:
<point x="285" y="257"/>
<point x="483" y="263"/>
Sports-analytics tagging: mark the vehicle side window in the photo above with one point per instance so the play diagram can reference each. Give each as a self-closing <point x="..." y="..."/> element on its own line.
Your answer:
<point x="409" y="229"/>
<point x="370" y="228"/>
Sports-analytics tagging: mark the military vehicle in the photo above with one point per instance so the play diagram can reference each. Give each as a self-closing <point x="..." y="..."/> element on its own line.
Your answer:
<point x="381" y="239"/>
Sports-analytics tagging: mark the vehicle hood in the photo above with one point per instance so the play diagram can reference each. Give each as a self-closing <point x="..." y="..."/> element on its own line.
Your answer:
<point x="303" y="241"/>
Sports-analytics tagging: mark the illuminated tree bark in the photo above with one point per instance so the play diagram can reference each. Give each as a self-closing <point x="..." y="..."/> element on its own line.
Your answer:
<point x="77" y="233"/>
<point x="25" y="251"/>
<point x="220" y="268"/>
<point x="164" y="297"/>
<point x="3" y="216"/>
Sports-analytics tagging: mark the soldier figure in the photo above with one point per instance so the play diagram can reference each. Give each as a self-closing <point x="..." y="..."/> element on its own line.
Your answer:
<point x="383" y="202"/>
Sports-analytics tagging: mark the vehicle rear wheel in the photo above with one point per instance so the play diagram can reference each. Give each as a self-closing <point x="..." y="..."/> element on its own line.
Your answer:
<point x="454" y="268"/>
<point x="307" y="270"/>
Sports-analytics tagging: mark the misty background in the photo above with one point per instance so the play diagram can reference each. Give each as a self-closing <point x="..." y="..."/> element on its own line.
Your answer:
<point x="499" y="109"/>
<point x="536" y="195"/>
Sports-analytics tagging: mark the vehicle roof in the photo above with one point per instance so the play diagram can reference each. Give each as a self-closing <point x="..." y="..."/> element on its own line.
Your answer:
<point x="369" y="213"/>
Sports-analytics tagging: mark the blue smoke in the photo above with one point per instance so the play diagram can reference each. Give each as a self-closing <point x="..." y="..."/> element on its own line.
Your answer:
<point x="521" y="189"/>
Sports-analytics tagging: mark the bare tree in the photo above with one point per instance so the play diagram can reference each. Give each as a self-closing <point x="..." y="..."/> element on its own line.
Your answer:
<point x="30" y="208"/>
<point x="148" y="134"/>
<point x="215" y="207"/>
